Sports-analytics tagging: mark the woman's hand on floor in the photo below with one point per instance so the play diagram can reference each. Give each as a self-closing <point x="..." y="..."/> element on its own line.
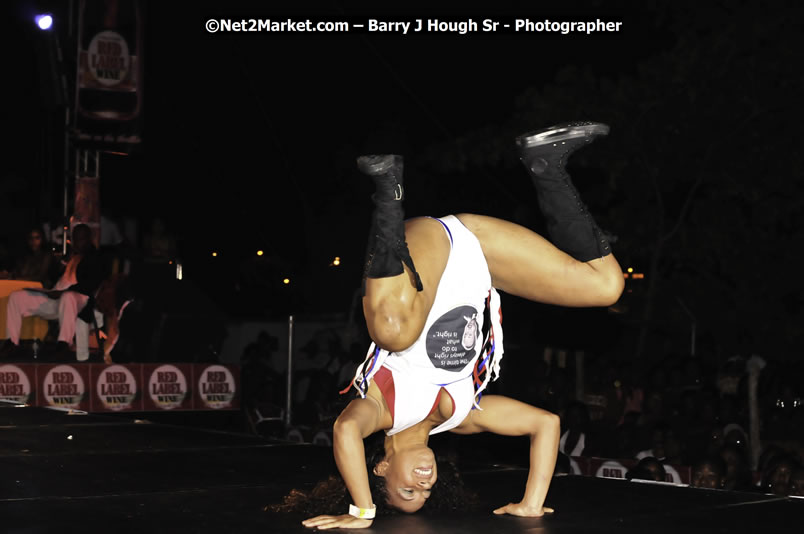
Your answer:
<point x="522" y="510"/>
<point x="324" y="522"/>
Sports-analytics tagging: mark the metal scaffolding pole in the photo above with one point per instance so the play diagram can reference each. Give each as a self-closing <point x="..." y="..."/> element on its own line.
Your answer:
<point x="289" y="400"/>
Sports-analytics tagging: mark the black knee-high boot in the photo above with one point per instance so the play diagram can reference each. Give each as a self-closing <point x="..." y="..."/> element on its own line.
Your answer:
<point x="569" y="224"/>
<point x="387" y="250"/>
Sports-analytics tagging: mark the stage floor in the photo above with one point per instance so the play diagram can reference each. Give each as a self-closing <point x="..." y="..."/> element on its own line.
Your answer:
<point x="89" y="473"/>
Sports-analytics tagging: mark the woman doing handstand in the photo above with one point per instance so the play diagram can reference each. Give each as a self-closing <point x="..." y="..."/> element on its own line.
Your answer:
<point x="435" y="323"/>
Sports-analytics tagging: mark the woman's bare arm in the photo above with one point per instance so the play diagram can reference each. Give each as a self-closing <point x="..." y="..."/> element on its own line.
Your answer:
<point x="359" y="419"/>
<point x="509" y="417"/>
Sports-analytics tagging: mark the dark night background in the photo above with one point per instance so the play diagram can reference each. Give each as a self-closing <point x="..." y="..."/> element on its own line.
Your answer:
<point x="250" y="141"/>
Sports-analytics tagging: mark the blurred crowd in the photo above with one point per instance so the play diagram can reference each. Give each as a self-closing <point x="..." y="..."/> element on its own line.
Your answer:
<point x="83" y="274"/>
<point x="40" y="255"/>
<point x="682" y="411"/>
<point x="678" y="412"/>
<point x="322" y="367"/>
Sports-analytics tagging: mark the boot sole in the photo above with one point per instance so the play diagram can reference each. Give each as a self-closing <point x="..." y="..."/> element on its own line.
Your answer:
<point x="561" y="132"/>
<point x="376" y="165"/>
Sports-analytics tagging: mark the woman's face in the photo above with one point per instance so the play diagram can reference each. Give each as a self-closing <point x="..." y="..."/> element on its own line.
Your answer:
<point x="409" y="476"/>
<point x="706" y="477"/>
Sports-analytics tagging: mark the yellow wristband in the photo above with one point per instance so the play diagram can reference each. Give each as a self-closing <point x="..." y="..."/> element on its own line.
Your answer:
<point x="363" y="513"/>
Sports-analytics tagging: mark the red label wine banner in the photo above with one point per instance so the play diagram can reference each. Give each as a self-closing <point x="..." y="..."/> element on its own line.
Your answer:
<point x="122" y="387"/>
<point x="109" y="86"/>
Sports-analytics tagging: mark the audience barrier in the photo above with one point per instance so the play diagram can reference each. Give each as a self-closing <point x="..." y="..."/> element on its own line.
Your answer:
<point x="611" y="468"/>
<point x="129" y="387"/>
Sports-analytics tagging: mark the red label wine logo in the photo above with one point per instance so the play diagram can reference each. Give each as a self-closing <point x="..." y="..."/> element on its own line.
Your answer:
<point x="216" y="387"/>
<point x="14" y="384"/>
<point x="167" y="387"/>
<point x="108" y="58"/>
<point x="64" y="387"/>
<point x="117" y="388"/>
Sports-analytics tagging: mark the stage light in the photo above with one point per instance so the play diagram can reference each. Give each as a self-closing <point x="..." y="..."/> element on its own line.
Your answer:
<point x="336" y="261"/>
<point x="214" y="254"/>
<point x="260" y="253"/>
<point x="44" y="21"/>
<point x="286" y="281"/>
<point x="630" y="269"/>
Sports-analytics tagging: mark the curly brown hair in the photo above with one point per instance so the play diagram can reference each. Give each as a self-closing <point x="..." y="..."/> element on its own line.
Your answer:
<point x="331" y="497"/>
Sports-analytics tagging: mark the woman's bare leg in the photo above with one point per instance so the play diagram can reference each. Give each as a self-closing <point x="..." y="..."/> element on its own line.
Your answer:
<point x="577" y="268"/>
<point x="404" y="263"/>
<point x="525" y="264"/>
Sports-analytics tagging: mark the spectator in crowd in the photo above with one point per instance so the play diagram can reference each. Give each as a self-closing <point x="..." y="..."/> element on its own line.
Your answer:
<point x="709" y="473"/>
<point x="769" y="455"/>
<point x="776" y="477"/>
<point x="70" y="298"/>
<point x="795" y="486"/>
<point x="648" y="469"/>
<point x="158" y="244"/>
<point x="657" y="448"/>
<point x="37" y="263"/>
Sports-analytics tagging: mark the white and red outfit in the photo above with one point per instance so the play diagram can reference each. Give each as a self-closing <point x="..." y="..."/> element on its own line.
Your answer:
<point x="451" y="353"/>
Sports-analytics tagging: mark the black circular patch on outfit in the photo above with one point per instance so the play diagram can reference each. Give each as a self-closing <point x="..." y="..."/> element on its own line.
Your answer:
<point x="451" y="340"/>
